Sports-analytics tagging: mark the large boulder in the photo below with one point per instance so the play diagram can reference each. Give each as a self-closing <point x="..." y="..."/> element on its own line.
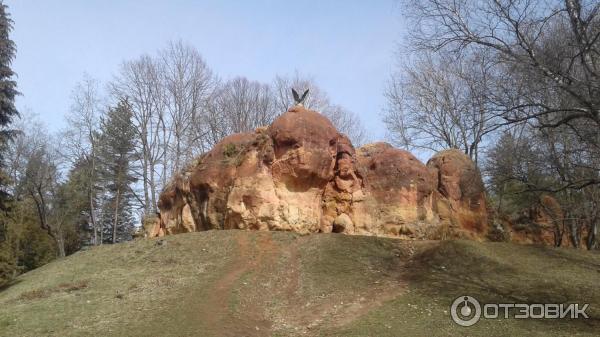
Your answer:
<point x="300" y="174"/>
<point x="397" y="192"/>
<point x="459" y="200"/>
<point x="305" y="144"/>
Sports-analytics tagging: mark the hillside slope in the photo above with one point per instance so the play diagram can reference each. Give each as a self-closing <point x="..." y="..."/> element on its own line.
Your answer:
<point x="237" y="283"/>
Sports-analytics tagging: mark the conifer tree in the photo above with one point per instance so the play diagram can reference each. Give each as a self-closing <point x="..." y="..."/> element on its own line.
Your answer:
<point x="117" y="152"/>
<point x="8" y="91"/>
<point x="74" y="195"/>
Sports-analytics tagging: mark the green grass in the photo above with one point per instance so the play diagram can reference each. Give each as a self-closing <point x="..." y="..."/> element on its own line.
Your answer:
<point x="492" y="273"/>
<point x="235" y="283"/>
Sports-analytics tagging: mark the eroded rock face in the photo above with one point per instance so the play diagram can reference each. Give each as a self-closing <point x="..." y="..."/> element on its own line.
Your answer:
<point x="543" y="223"/>
<point x="397" y="192"/>
<point x="459" y="198"/>
<point x="301" y="174"/>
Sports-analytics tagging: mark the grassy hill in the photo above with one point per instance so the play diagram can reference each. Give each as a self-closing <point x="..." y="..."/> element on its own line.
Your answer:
<point x="236" y="283"/>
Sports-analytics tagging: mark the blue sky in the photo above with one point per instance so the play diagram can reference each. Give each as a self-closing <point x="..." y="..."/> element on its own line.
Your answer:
<point x="347" y="46"/>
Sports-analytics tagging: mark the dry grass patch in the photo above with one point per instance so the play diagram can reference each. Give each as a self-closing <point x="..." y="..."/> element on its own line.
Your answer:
<point x="37" y="294"/>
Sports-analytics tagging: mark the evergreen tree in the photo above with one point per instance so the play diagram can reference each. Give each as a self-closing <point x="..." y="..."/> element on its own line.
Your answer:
<point x="74" y="198"/>
<point x="8" y="91"/>
<point x="117" y="152"/>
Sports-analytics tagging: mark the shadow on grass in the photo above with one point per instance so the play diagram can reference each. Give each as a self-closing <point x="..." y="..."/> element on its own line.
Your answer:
<point x="507" y="273"/>
<point x="9" y="284"/>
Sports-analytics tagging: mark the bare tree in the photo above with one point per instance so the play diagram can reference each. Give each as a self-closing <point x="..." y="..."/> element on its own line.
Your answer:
<point x="31" y="135"/>
<point x="317" y="99"/>
<point x="240" y="105"/>
<point x="348" y="123"/>
<point x="554" y="45"/>
<point x="188" y="84"/>
<point x="41" y="183"/>
<point x="442" y="101"/>
<point x="141" y="83"/>
<point x="81" y="139"/>
<point x="344" y="120"/>
<point x="168" y="95"/>
<point x="521" y="167"/>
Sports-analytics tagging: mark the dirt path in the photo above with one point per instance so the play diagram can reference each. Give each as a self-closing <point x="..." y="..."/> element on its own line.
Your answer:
<point x="304" y="315"/>
<point x="293" y="282"/>
<point x="260" y="292"/>
<point x="249" y="259"/>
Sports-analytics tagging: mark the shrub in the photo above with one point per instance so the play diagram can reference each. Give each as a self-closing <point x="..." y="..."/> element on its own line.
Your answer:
<point x="7" y="267"/>
<point x="498" y="232"/>
<point x="230" y="150"/>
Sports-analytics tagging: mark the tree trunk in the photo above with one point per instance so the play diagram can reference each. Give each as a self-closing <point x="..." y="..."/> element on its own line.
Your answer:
<point x="558" y="236"/>
<point x="592" y="231"/>
<point x="574" y="234"/>
<point x="54" y="233"/>
<point x="91" y="190"/>
<point x="116" y="220"/>
<point x="164" y="155"/>
<point x="92" y="218"/>
<point x="177" y="152"/>
<point x="152" y="190"/>
<point x="60" y="243"/>
<point x="145" y="170"/>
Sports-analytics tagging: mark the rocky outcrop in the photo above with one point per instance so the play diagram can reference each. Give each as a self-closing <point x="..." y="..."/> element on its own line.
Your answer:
<point x="543" y="223"/>
<point x="459" y="197"/>
<point x="300" y="174"/>
<point x="398" y="191"/>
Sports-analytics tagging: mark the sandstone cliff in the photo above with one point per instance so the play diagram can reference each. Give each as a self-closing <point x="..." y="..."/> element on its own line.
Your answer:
<point x="300" y="174"/>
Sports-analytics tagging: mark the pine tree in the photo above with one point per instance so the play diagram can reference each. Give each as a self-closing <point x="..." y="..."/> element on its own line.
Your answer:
<point x="117" y="152"/>
<point x="8" y="91"/>
<point x="74" y="195"/>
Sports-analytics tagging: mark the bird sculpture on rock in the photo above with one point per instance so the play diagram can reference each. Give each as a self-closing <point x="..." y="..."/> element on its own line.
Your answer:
<point x="299" y="100"/>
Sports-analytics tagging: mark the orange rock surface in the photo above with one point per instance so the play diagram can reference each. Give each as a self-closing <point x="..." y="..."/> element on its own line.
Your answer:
<point x="300" y="174"/>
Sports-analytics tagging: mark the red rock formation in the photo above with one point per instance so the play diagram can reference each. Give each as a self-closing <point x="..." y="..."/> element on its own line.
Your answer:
<point x="398" y="191"/>
<point x="460" y="195"/>
<point x="543" y="223"/>
<point x="301" y="174"/>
